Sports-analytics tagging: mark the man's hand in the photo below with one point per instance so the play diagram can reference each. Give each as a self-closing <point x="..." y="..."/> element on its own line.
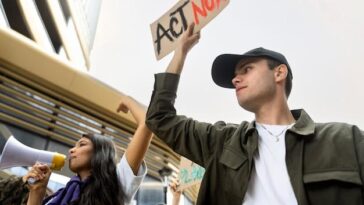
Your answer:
<point x="185" y="43"/>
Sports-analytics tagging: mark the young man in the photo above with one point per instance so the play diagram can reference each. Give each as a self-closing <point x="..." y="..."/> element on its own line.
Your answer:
<point x="282" y="157"/>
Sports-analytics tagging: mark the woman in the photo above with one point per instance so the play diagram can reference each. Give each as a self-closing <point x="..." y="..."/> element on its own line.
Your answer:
<point x="99" y="180"/>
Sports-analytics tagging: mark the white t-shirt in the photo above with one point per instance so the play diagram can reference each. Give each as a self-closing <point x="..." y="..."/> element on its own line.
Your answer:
<point x="269" y="182"/>
<point x="130" y="183"/>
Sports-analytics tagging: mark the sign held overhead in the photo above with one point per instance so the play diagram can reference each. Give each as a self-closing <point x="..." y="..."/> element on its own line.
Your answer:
<point x="168" y="28"/>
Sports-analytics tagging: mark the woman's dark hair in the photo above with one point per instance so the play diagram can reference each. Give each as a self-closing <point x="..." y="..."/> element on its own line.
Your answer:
<point x="103" y="186"/>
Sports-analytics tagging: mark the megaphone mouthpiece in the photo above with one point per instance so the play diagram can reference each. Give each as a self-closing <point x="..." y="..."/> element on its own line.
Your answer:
<point x="58" y="161"/>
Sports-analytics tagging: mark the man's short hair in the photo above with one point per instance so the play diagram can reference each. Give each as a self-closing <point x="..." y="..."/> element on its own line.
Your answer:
<point x="288" y="85"/>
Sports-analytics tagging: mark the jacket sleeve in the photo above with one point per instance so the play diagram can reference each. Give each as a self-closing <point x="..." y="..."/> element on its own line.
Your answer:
<point x="359" y="148"/>
<point x="189" y="138"/>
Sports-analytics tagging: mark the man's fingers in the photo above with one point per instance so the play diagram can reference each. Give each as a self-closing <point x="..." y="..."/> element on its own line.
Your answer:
<point x="193" y="41"/>
<point x="190" y="29"/>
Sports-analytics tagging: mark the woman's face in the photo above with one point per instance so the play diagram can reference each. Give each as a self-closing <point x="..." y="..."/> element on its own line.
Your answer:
<point x="80" y="155"/>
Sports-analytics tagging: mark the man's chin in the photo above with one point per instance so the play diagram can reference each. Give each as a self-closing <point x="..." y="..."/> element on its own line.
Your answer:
<point x="247" y="106"/>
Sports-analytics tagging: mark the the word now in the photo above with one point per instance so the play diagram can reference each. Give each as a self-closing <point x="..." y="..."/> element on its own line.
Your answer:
<point x="206" y="6"/>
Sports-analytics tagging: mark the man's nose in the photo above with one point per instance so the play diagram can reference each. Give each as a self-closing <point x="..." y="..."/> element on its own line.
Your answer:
<point x="236" y="80"/>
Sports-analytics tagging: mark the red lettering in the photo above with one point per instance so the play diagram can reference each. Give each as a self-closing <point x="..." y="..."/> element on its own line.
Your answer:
<point x="197" y="10"/>
<point x="210" y="6"/>
<point x="218" y="3"/>
<point x="206" y="5"/>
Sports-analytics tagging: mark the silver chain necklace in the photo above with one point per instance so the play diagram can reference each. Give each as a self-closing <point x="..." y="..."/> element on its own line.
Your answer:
<point x="275" y="136"/>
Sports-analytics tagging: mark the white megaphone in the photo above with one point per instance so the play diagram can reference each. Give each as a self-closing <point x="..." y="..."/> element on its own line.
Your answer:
<point x="17" y="154"/>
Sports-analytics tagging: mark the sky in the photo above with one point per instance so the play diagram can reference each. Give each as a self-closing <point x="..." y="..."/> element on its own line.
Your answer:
<point x="322" y="40"/>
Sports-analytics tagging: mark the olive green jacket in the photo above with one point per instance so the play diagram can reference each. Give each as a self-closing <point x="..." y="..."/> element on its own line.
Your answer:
<point x="325" y="162"/>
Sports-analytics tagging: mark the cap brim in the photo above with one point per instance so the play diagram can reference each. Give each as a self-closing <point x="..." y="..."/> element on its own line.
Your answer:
<point x="223" y="69"/>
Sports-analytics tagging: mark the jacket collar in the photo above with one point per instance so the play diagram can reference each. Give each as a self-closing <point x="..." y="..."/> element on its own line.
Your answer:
<point x="304" y="127"/>
<point x="244" y="141"/>
<point x="304" y="124"/>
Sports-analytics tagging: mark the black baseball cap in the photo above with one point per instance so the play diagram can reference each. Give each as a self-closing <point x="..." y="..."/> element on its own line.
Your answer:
<point x="223" y="67"/>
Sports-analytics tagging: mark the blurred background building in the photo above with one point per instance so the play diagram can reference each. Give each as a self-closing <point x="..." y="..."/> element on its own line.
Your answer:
<point x="47" y="97"/>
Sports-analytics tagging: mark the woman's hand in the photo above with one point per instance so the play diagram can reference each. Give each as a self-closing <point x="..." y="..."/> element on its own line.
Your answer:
<point x="142" y="135"/>
<point x="40" y="173"/>
<point x="124" y="105"/>
<point x="137" y="110"/>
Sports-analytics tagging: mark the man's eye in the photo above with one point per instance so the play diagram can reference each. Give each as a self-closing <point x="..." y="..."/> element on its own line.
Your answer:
<point x="243" y="71"/>
<point x="247" y="69"/>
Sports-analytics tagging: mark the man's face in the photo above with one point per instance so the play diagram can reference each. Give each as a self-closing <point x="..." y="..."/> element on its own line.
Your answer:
<point x="254" y="83"/>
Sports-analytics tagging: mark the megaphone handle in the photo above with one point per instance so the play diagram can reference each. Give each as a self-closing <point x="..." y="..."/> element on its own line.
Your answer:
<point x="31" y="180"/>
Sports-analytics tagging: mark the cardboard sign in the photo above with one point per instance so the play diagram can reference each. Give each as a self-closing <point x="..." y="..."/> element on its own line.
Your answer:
<point x="189" y="173"/>
<point x="167" y="29"/>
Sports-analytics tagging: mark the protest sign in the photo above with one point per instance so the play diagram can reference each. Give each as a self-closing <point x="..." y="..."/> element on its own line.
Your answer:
<point x="167" y="29"/>
<point x="189" y="173"/>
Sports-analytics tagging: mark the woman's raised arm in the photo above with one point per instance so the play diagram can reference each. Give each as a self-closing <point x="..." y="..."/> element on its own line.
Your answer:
<point x="142" y="136"/>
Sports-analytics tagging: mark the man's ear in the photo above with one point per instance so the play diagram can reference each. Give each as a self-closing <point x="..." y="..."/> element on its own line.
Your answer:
<point x="281" y="72"/>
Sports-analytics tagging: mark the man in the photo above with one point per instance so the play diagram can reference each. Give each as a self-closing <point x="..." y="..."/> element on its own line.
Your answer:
<point x="282" y="157"/>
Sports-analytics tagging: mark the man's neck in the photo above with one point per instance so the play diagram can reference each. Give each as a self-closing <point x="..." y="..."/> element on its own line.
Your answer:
<point x="273" y="114"/>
